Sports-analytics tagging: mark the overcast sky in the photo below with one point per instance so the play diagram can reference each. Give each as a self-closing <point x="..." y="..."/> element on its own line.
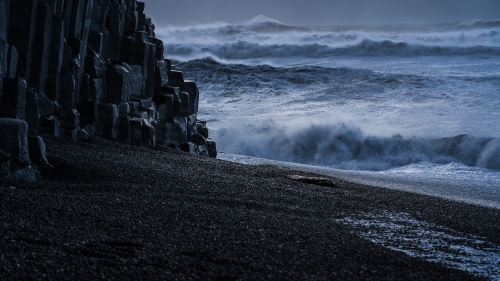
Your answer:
<point x="321" y="12"/>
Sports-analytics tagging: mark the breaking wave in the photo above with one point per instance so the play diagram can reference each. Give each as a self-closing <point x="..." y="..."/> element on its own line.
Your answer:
<point x="347" y="147"/>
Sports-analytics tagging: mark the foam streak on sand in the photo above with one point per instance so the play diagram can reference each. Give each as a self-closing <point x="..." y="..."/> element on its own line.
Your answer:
<point x="434" y="243"/>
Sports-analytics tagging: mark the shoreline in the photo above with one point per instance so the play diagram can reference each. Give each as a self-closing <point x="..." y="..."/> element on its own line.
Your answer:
<point x="460" y="190"/>
<point x="116" y="211"/>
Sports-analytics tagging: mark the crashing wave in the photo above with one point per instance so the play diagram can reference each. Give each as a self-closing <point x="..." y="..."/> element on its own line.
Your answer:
<point x="347" y="147"/>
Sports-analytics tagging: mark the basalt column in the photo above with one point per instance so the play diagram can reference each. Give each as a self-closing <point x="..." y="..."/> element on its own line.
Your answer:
<point x="83" y="68"/>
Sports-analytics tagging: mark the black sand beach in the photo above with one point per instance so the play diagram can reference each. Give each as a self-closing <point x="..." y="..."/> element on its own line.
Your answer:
<point x="117" y="212"/>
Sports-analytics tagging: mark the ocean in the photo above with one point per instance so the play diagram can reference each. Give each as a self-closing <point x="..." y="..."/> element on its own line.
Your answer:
<point x="411" y="107"/>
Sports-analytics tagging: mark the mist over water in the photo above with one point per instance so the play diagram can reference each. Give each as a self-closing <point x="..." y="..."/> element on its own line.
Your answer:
<point x="348" y="97"/>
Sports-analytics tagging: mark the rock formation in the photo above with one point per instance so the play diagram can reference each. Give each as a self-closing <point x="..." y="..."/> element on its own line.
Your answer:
<point x="77" y="68"/>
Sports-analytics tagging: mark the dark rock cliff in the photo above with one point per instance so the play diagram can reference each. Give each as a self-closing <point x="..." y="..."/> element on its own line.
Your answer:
<point x="78" y="68"/>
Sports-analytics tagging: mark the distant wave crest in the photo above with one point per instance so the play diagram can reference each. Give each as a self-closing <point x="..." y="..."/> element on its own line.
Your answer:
<point x="247" y="50"/>
<point x="263" y="37"/>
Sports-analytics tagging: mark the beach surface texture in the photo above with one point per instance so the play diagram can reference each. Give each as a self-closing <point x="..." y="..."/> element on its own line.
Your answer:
<point x="118" y="212"/>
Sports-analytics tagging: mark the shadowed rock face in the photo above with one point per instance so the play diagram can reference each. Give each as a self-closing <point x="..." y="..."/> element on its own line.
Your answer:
<point x="78" y="68"/>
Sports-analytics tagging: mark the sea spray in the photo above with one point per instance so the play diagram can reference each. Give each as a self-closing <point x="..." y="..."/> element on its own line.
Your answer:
<point x="348" y="147"/>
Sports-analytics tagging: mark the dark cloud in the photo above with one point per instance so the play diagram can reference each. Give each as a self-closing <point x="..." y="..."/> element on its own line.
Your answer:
<point x="322" y="12"/>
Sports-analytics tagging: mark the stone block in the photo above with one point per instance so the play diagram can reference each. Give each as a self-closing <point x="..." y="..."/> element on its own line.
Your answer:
<point x="91" y="89"/>
<point x="199" y="140"/>
<point x="211" y="148"/>
<point x="67" y="11"/>
<point x="4" y="163"/>
<point x="13" y="102"/>
<point x="161" y="131"/>
<point x="3" y="63"/>
<point x="52" y="86"/>
<point x="150" y="27"/>
<point x="134" y="131"/>
<point x="141" y="20"/>
<point x="194" y="96"/>
<point x="104" y="17"/>
<point x="80" y="18"/>
<point x="159" y="47"/>
<point x="165" y="110"/>
<point x="161" y="74"/>
<point x="51" y="4"/>
<point x="151" y="67"/>
<point x="59" y="8"/>
<point x="168" y="102"/>
<point x="3" y="26"/>
<point x="176" y="79"/>
<point x="118" y="84"/>
<point x="201" y="128"/>
<point x="32" y="112"/>
<point x="82" y="135"/>
<point x="95" y="41"/>
<point x="122" y="129"/>
<point x="149" y="106"/>
<point x="135" y="109"/>
<point x="76" y="20"/>
<point x="46" y="106"/>
<point x="67" y="60"/>
<point x="22" y="24"/>
<point x="203" y="151"/>
<point x="49" y="125"/>
<point x="38" y="154"/>
<point x="191" y="126"/>
<point x="78" y="23"/>
<point x="127" y="49"/>
<point x="137" y="81"/>
<point x="124" y="109"/>
<point x="86" y="21"/>
<point x="165" y="91"/>
<point x="95" y="89"/>
<point x="66" y="133"/>
<point x="76" y="48"/>
<point x="88" y="114"/>
<point x="182" y="109"/>
<point x="148" y="138"/>
<point x="116" y="28"/>
<point x="69" y="118"/>
<point x="93" y="66"/>
<point x="104" y="52"/>
<point x="135" y="51"/>
<point x="132" y="17"/>
<point x="68" y="94"/>
<point x="12" y="59"/>
<point x="169" y="64"/>
<point x="14" y="140"/>
<point x="38" y="68"/>
<point x="96" y="15"/>
<point x="107" y="121"/>
<point x="189" y="147"/>
<point x="171" y="133"/>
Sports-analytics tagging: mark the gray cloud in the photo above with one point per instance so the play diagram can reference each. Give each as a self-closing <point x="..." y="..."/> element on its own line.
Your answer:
<point x="322" y="12"/>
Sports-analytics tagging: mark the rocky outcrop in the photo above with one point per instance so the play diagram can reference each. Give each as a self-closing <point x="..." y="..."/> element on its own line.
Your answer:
<point x="78" y="68"/>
